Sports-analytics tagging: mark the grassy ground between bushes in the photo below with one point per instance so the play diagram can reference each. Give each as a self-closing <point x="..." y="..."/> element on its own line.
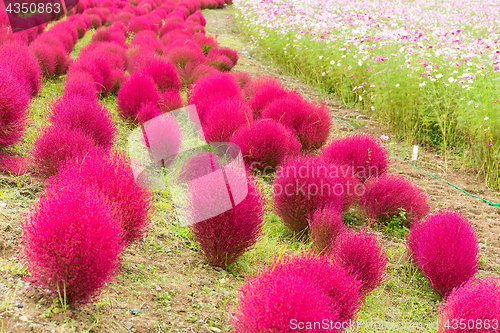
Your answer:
<point x="165" y="277"/>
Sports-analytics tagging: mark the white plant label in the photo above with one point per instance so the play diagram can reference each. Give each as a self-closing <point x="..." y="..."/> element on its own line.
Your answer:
<point x="415" y="153"/>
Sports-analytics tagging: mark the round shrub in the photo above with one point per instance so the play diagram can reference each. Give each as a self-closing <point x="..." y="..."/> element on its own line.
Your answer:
<point x="199" y="165"/>
<point x="46" y="57"/>
<point x="148" y="111"/>
<point x="81" y="84"/>
<point x="14" y="101"/>
<point x="163" y="74"/>
<point x="76" y="112"/>
<point x="387" y="195"/>
<point x="212" y="89"/>
<point x="262" y="91"/>
<point x="445" y="248"/>
<point x="270" y="304"/>
<point x="56" y="145"/>
<point x="23" y="64"/>
<point x="477" y="301"/>
<point x="301" y="186"/>
<point x="192" y="73"/>
<point x="265" y="144"/>
<point x="310" y="122"/>
<point x="182" y="53"/>
<point x="225" y="237"/>
<point x="360" y="253"/>
<point x="164" y="137"/>
<point x="361" y="151"/>
<point x="112" y="175"/>
<point x="325" y="224"/>
<point x="137" y="90"/>
<point x="170" y="100"/>
<point x="223" y="118"/>
<point x="220" y="62"/>
<point x="71" y="242"/>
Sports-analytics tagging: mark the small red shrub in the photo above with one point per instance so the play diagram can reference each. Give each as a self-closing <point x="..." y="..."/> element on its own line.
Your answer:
<point x="220" y="62"/>
<point x="361" y="151"/>
<point x="244" y="79"/>
<point x="262" y="91"/>
<point x="164" y="75"/>
<point x="223" y="118"/>
<point x="46" y="57"/>
<point x="199" y="165"/>
<point x="76" y="112"/>
<point x="445" y="248"/>
<point x="14" y="101"/>
<point x="170" y="100"/>
<point x="310" y="122"/>
<point x="325" y="225"/>
<point x="148" y="111"/>
<point x="81" y="84"/>
<point x="56" y="145"/>
<point x="271" y="303"/>
<point x="476" y="301"/>
<point x="361" y="254"/>
<point x="213" y="88"/>
<point x="193" y="72"/>
<point x="71" y="242"/>
<point x="206" y="42"/>
<point x="182" y="54"/>
<point x="301" y="186"/>
<point x="139" y="89"/>
<point x="112" y="175"/>
<point x="385" y="196"/>
<point x="224" y="51"/>
<point x="265" y="144"/>
<point x="225" y="237"/>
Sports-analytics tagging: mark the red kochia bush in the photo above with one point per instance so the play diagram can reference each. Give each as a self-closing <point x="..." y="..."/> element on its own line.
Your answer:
<point x="199" y="165"/>
<point x="361" y="151"/>
<point x="76" y="112"/>
<point x="133" y="93"/>
<point x="360" y="253"/>
<point x="71" y="242"/>
<point x="270" y="304"/>
<point x="193" y="72"/>
<point x="182" y="53"/>
<point x="302" y="185"/>
<point x="262" y="307"/>
<point x="164" y="74"/>
<point x="445" y="248"/>
<point x="213" y="88"/>
<point x="223" y="118"/>
<point x="325" y="224"/>
<point x="220" y="62"/>
<point x="224" y="51"/>
<point x="385" y="196"/>
<point x="81" y="83"/>
<point x="266" y="143"/>
<point x="478" y="301"/>
<point x="23" y="64"/>
<point x="310" y="122"/>
<point x="14" y="101"/>
<point x="170" y="100"/>
<point x="53" y="58"/>
<point x="225" y="237"/>
<point x="56" y="145"/>
<point x="262" y="91"/>
<point x="112" y="175"/>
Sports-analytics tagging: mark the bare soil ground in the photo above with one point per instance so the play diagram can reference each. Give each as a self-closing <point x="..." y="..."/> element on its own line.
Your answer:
<point x="165" y="276"/>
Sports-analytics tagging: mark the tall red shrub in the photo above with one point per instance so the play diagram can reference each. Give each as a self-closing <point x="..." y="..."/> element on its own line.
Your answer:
<point x="137" y="90"/>
<point x="193" y="72"/>
<point x="301" y="186"/>
<point x="199" y="165"/>
<point x="310" y="122"/>
<point x="171" y="100"/>
<point x="71" y="242"/>
<point x="361" y="254"/>
<point x="325" y="224"/>
<point x="262" y="91"/>
<point x="265" y="144"/>
<point x="223" y="118"/>
<point x="361" y="151"/>
<point x="164" y="75"/>
<point x="385" y="196"/>
<point x="445" y="248"/>
<point x="14" y="101"/>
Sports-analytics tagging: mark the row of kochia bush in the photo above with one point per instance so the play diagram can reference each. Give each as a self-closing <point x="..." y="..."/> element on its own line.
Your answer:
<point x="75" y="248"/>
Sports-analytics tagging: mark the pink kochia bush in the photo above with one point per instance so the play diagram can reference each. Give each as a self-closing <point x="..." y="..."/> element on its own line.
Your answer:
<point x="133" y="93"/>
<point x="71" y="242"/>
<point x="58" y="144"/>
<point x="213" y="88"/>
<point x="477" y="300"/>
<point x="264" y="305"/>
<point x="325" y="224"/>
<point x="445" y="248"/>
<point x="77" y="112"/>
<point x="362" y="152"/>
<point x="263" y="91"/>
<point x="199" y="165"/>
<point x="301" y="186"/>
<point x="164" y="75"/>
<point x="14" y="101"/>
<point x="311" y="123"/>
<point x="360" y="253"/>
<point x="266" y="143"/>
<point x="225" y="237"/>
<point x="385" y="196"/>
<point x="112" y="175"/>
<point x="223" y="118"/>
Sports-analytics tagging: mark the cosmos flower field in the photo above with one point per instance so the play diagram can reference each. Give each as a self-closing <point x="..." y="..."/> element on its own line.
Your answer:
<point x="429" y="68"/>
